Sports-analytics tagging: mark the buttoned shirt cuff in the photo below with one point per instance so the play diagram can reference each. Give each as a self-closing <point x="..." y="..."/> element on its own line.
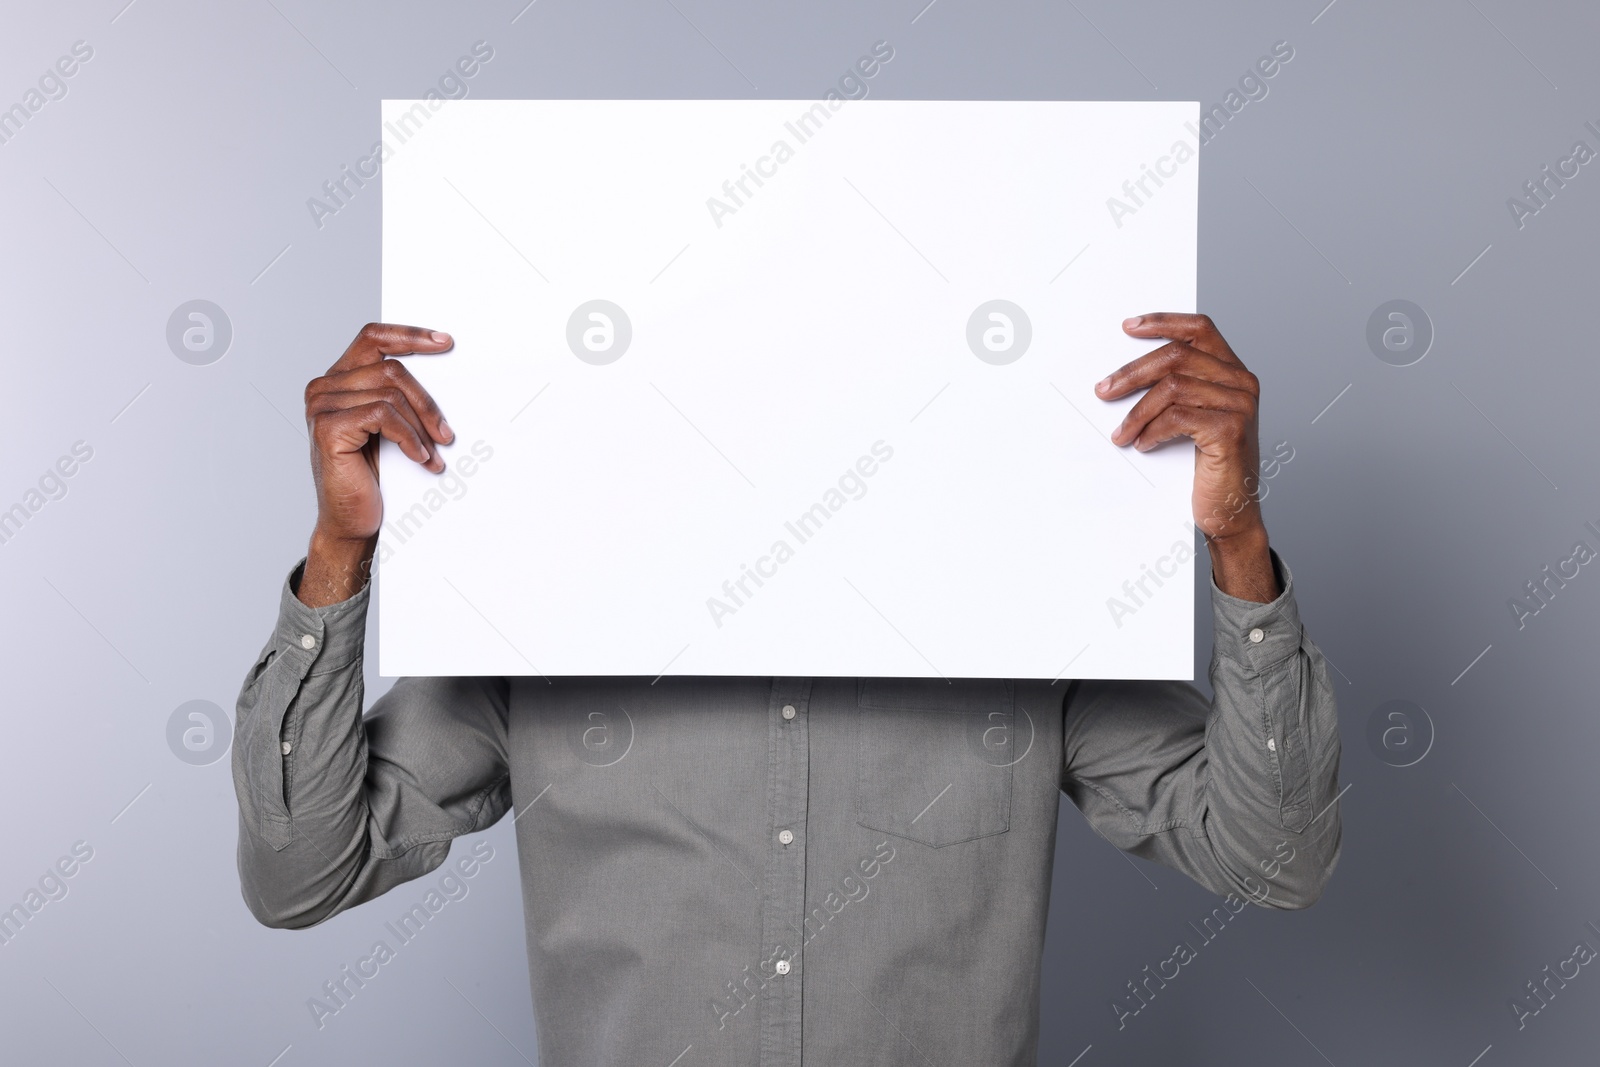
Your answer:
<point x="1258" y="636"/>
<point x="325" y="638"/>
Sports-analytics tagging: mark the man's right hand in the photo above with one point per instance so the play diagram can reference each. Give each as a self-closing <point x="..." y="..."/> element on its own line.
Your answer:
<point x="364" y="396"/>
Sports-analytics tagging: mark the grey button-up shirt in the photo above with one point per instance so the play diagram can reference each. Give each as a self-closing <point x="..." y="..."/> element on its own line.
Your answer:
<point x="767" y="870"/>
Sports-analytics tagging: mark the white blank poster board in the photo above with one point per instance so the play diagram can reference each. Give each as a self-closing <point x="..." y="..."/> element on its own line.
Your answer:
<point x="786" y="388"/>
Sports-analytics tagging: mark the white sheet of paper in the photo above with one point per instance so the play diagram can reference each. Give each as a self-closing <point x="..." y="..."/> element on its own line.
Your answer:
<point x="798" y="281"/>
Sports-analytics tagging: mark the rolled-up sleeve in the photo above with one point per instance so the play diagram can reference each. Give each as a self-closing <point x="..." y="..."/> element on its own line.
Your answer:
<point x="334" y="808"/>
<point x="1238" y="793"/>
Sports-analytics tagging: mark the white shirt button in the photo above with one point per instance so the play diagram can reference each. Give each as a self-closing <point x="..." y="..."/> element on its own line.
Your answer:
<point x="785" y="837"/>
<point x="788" y="711"/>
<point x="782" y="966"/>
<point x="287" y="748"/>
<point x="1272" y="744"/>
<point x="1257" y="636"/>
<point x="307" y="642"/>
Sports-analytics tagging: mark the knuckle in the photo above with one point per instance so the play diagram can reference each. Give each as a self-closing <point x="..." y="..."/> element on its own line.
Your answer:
<point x="323" y="424"/>
<point x="390" y="417"/>
<point x="371" y="330"/>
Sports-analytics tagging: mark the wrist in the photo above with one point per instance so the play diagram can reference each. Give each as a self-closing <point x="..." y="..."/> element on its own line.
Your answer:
<point x="1241" y="565"/>
<point x="337" y="568"/>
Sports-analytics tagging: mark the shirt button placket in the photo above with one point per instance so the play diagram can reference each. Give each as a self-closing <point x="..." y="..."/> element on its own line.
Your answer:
<point x="784" y="889"/>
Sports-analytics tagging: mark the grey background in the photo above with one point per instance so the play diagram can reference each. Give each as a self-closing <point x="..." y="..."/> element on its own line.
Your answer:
<point x="1378" y="167"/>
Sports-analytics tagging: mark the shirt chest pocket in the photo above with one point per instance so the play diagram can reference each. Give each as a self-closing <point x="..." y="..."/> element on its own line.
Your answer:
<point x="934" y="758"/>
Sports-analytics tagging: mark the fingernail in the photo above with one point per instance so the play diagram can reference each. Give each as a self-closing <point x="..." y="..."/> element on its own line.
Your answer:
<point x="440" y="337"/>
<point x="1128" y="324"/>
<point x="444" y="428"/>
<point x="1103" y="384"/>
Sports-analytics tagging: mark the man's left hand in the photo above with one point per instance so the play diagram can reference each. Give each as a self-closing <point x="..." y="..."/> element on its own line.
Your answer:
<point x="1199" y="389"/>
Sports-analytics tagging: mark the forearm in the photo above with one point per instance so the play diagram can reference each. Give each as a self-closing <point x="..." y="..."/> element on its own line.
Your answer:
<point x="1241" y="566"/>
<point x="299" y="766"/>
<point x="1272" y="746"/>
<point x="336" y="808"/>
<point x="1234" y="794"/>
<point x="336" y="569"/>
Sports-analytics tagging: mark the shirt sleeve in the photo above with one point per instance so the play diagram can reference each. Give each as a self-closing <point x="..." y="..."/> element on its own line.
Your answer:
<point x="335" y="809"/>
<point x="1241" y="794"/>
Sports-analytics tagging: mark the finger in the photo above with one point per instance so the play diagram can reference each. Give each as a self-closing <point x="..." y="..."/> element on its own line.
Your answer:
<point x="1176" y="357"/>
<point x="388" y="374"/>
<point x="1207" y="426"/>
<point x="379" y="339"/>
<point x="391" y="395"/>
<point x="349" y="429"/>
<point x="1183" y="391"/>
<point x="1197" y="330"/>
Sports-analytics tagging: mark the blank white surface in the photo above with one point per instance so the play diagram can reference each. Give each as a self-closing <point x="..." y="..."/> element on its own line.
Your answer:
<point x="768" y="355"/>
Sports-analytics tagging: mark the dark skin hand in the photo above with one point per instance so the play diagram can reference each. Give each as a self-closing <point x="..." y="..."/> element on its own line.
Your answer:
<point x="1199" y="389"/>
<point x="364" y="396"/>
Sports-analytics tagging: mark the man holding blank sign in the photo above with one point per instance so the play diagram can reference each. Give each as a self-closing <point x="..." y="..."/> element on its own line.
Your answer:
<point x="765" y="870"/>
